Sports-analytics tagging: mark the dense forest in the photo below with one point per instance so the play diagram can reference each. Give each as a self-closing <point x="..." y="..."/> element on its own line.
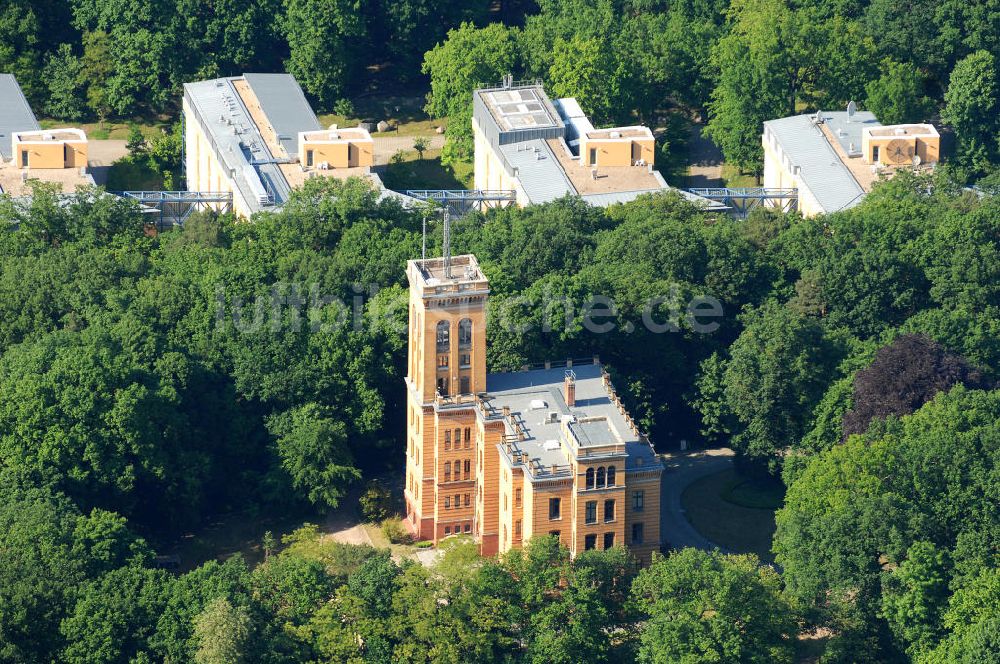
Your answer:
<point x="149" y="381"/>
<point x="729" y="63"/>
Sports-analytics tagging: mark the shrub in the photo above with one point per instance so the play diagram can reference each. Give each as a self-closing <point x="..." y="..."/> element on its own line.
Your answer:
<point x="376" y="502"/>
<point x="396" y="532"/>
<point x="344" y="107"/>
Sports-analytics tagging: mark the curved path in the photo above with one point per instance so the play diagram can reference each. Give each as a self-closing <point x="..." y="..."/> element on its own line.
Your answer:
<point x="680" y="469"/>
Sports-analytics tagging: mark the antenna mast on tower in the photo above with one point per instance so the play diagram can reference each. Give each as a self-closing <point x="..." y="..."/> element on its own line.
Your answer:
<point x="447" y="243"/>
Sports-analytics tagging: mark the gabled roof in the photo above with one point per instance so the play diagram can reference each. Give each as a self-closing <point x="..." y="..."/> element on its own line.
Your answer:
<point x="820" y="168"/>
<point x="15" y="113"/>
<point x="286" y="107"/>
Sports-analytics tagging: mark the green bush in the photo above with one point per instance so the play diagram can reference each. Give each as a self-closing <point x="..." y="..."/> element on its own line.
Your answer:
<point x="344" y="107"/>
<point x="424" y="544"/>
<point x="376" y="502"/>
<point x="396" y="532"/>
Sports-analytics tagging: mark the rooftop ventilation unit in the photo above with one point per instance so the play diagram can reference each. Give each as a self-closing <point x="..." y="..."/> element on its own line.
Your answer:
<point x="551" y="445"/>
<point x="538" y="404"/>
<point x="615" y="134"/>
<point x="553" y="417"/>
<point x="47" y="137"/>
<point x="818" y="118"/>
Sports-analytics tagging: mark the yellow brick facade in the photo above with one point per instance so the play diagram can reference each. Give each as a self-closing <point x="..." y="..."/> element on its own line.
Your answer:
<point x="463" y="471"/>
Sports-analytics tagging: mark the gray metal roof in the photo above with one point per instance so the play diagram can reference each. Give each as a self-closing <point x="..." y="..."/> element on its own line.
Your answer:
<point x="522" y="390"/>
<point x="821" y="169"/>
<point x="285" y="105"/>
<point x="604" y="200"/>
<point x="848" y="130"/>
<point x="236" y="140"/>
<point x="15" y="113"/>
<point x="539" y="172"/>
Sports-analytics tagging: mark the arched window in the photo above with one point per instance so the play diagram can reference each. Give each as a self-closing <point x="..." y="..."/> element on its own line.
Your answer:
<point x="590" y="478"/>
<point x="443" y="335"/>
<point x="447" y="471"/>
<point x="464" y="333"/>
<point x="600" y="477"/>
<point x="611" y="475"/>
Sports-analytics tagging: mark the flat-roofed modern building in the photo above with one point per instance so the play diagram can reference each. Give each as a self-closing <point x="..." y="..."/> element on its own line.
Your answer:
<point x="28" y="152"/>
<point x="507" y="456"/>
<point x="256" y="136"/>
<point x="544" y="149"/>
<point x="834" y="158"/>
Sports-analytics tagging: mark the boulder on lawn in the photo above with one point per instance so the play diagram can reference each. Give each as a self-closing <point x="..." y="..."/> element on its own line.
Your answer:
<point x="439" y="130"/>
<point x="382" y="126"/>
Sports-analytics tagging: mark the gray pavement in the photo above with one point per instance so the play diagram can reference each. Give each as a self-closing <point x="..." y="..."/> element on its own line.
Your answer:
<point x="680" y="470"/>
<point x="100" y="156"/>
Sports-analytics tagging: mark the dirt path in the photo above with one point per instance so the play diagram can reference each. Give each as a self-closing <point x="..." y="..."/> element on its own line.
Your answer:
<point x="680" y="470"/>
<point x="705" y="159"/>
<point x="386" y="146"/>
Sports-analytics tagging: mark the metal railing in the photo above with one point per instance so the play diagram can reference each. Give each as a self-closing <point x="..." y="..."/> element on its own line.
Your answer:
<point x="740" y="201"/>
<point x="172" y="208"/>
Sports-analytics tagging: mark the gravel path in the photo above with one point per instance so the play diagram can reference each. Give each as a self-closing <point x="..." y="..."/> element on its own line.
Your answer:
<point x="680" y="470"/>
<point x="386" y="146"/>
<point x="706" y="161"/>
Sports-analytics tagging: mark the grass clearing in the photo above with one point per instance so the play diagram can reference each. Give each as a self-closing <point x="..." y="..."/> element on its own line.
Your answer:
<point x="426" y="173"/>
<point x="128" y="175"/>
<point x="756" y="494"/>
<point x="736" y="527"/>
<point x="236" y="532"/>
<point x="732" y="177"/>
<point x="102" y="131"/>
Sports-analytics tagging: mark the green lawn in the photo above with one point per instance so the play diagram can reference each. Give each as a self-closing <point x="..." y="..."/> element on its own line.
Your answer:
<point x="427" y="173"/>
<point x="729" y="510"/>
<point x="100" y="131"/>
<point x="732" y="177"/>
<point x="127" y="175"/>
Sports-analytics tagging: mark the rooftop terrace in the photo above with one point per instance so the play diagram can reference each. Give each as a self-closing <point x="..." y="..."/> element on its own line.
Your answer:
<point x="17" y="182"/>
<point x="520" y="108"/>
<point x="610" y="179"/>
<point x="544" y="433"/>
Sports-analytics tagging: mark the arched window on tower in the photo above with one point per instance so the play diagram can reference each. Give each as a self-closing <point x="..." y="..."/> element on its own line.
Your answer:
<point x="464" y="333"/>
<point x="611" y="475"/>
<point x="443" y="336"/>
<point x="590" y="478"/>
<point x="600" y="477"/>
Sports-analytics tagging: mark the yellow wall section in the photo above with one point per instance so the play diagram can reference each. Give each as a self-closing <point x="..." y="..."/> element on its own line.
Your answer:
<point x="51" y="154"/>
<point x="338" y="155"/>
<point x="623" y="152"/>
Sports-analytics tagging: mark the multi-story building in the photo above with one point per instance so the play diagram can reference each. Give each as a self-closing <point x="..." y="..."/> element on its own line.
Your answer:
<point x="545" y="149"/>
<point x="28" y="152"/>
<point x="834" y="158"/>
<point x="506" y="456"/>
<point x="256" y="136"/>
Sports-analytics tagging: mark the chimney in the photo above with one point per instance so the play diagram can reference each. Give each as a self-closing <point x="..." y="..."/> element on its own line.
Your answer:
<point x="569" y="388"/>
